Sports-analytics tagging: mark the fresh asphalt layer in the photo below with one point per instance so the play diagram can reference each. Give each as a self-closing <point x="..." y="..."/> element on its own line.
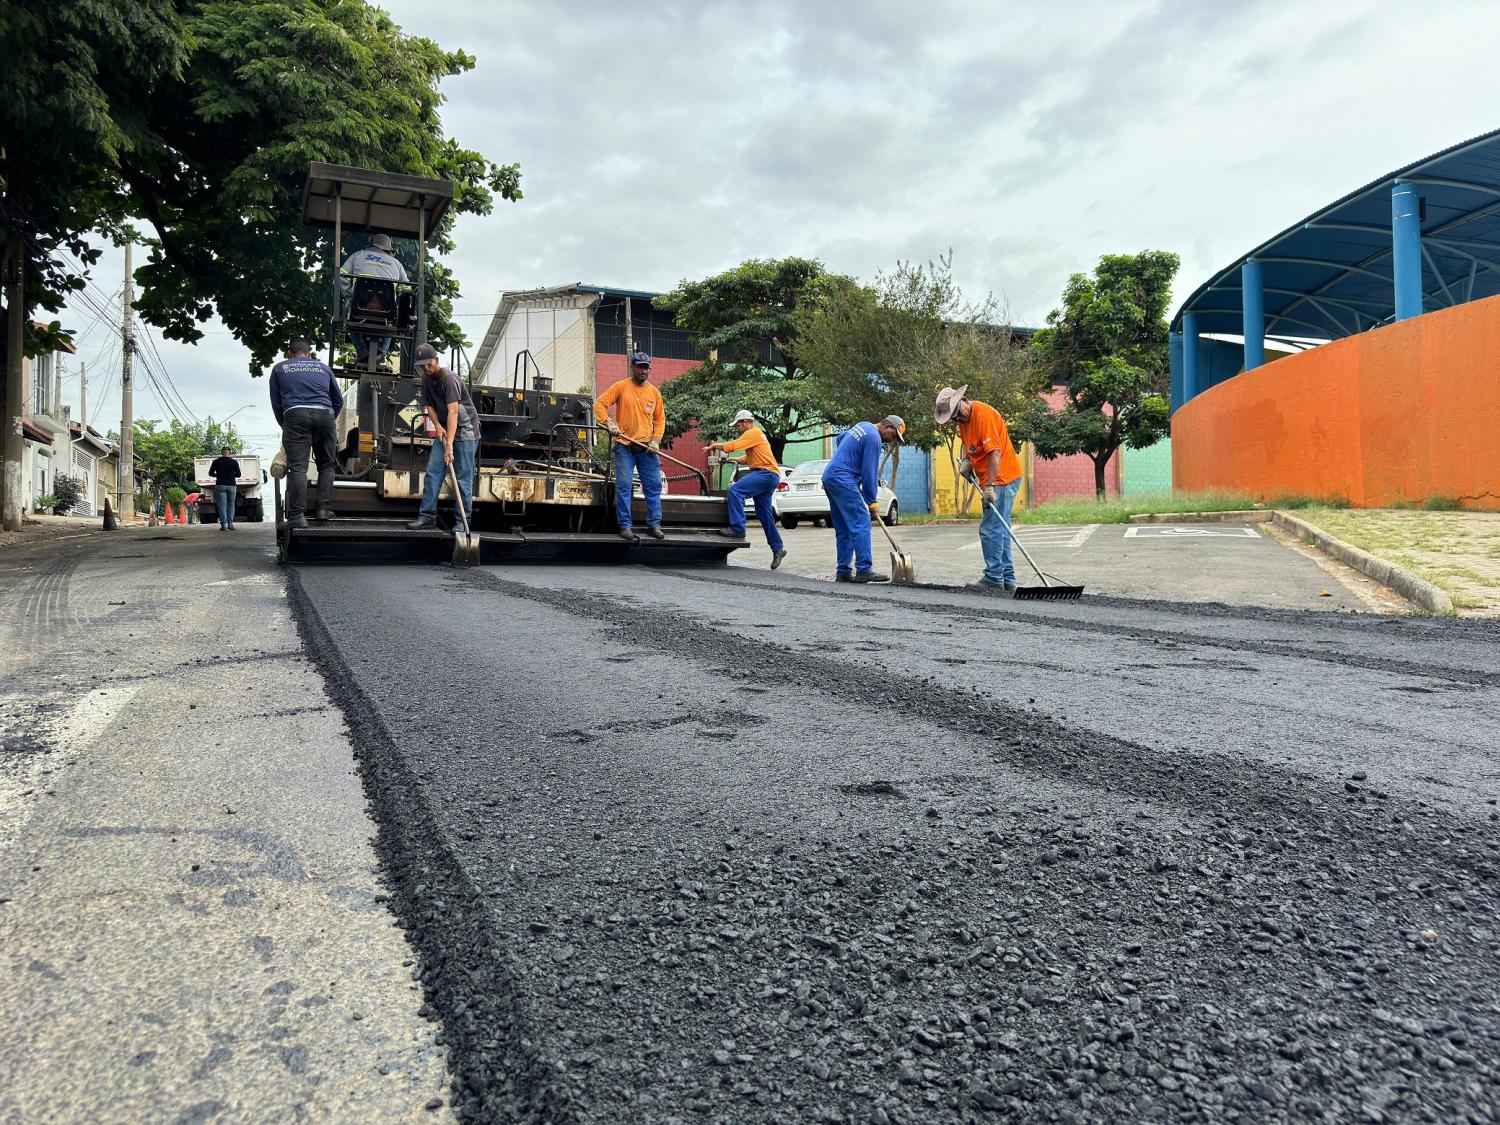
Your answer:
<point x="1211" y="562"/>
<point x="733" y="845"/>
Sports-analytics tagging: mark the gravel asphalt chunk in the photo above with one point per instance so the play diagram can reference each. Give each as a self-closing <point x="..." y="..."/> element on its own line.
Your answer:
<point x="717" y="846"/>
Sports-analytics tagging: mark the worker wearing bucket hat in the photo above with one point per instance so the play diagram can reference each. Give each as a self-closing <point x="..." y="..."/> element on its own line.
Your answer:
<point x="993" y="465"/>
<point x="757" y="485"/>
<point x="850" y="480"/>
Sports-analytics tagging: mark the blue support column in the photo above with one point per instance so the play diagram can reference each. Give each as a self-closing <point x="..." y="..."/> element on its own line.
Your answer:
<point x="1253" y="313"/>
<point x="1190" y="384"/>
<point x="1174" y="358"/>
<point x="1406" y="249"/>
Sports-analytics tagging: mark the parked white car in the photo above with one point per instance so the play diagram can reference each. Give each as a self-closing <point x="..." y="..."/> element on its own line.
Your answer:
<point x="750" y="504"/>
<point x="801" y="497"/>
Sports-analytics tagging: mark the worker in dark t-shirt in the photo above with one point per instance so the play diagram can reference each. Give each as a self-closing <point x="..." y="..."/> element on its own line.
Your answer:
<point x="450" y="409"/>
<point x="226" y="473"/>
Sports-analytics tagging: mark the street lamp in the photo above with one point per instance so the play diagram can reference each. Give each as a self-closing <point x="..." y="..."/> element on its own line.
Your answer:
<point x="247" y="406"/>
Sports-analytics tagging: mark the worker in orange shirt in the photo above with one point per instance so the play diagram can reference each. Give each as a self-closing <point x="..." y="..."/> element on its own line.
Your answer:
<point x="638" y="425"/>
<point x="758" y="484"/>
<point x="995" y="468"/>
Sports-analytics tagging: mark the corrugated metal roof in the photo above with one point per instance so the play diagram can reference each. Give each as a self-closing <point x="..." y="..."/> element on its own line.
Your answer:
<point x="1330" y="274"/>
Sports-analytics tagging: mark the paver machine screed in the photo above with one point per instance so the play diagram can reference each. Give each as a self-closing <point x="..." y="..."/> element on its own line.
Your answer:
<point x="540" y="490"/>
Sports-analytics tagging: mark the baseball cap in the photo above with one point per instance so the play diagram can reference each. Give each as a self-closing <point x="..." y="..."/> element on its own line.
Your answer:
<point x="744" y="416"/>
<point x="897" y="423"/>
<point x="947" y="402"/>
<point x="426" y="353"/>
<point x="640" y="359"/>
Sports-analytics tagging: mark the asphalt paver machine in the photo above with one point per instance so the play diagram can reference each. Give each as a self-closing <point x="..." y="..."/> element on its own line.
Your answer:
<point x="540" y="490"/>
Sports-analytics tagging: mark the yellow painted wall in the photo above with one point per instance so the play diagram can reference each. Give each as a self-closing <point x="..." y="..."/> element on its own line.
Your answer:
<point x="947" y="491"/>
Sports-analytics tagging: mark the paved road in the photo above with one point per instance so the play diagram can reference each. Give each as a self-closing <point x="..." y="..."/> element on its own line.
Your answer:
<point x="191" y="927"/>
<point x="738" y="846"/>
<point x="1210" y="562"/>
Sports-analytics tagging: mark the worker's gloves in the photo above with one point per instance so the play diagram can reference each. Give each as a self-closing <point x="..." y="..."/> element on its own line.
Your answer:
<point x="967" y="472"/>
<point x="989" y="495"/>
<point x="875" y="508"/>
<point x="614" y="430"/>
<point x="654" y="445"/>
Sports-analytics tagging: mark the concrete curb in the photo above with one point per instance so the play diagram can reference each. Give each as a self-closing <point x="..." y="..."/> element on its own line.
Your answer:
<point x="1420" y="592"/>
<point x="1243" y="515"/>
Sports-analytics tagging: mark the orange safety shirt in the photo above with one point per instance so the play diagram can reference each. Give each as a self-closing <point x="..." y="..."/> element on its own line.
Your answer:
<point x="639" y="411"/>
<point x="757" y="450"/>
<point x="982" y="434"/>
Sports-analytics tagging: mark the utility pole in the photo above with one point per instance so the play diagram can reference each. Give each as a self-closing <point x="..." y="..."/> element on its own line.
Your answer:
<point x="126" y="481"/>
<point x="83" y="395"/>
<point x="13" y="495"/>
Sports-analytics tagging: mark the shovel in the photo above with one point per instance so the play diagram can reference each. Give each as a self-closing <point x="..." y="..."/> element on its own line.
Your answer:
<point x="903" y="566"/>
<point x="465" y="553"/>
<point x="1048" y="591"/>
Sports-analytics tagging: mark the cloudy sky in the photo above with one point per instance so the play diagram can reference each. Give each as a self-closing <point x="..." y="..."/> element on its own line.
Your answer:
<point x="671" y="140"/>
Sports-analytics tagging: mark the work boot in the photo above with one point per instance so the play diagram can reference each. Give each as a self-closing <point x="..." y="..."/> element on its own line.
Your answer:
<point x="655" y="532"/>
<point x="422" y="523"/>
<point x="323" y="515"/>
<point x="731" y="533"/>
<point x="298" y="521"/>
<point x="866" y="576"/>
<point x="629" y="536"/>
<point x="843" y="578"/>
<point x="776" y="557"/>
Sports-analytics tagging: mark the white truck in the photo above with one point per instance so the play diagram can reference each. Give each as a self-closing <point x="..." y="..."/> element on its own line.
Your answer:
<point x="248" y="507"/>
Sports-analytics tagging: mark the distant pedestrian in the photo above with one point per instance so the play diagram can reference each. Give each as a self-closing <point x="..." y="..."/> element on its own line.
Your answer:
<point x="190" y="505"/>
<point x="226" y="473"/>
<point x="638" y="426"/>
<point x="306" y="400"/>
<point x="446" y="399"/>
<point x="995" y="468"/>
<point x="851" y="481"/>
<point x="759" y="484"/>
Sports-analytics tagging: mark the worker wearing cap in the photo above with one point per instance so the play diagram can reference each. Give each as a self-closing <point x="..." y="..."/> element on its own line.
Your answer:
<point x="850" y="481"/>
<point x="995" y="468"/>
<point x="446" y="399"/>
<point x="759" y="484"/>
<point x="638" y="425"/>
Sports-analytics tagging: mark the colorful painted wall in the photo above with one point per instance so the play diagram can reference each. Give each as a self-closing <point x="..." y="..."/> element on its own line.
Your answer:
<point x="1396" y="414"/>
<point x="1147" y="470"/>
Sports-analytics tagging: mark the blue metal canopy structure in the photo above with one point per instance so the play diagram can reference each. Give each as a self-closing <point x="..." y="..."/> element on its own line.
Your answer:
<point x="1419" y="239"/>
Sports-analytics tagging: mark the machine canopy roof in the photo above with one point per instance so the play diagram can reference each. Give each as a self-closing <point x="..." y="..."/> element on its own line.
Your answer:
<point x="378" y="202"/>
<point x="1330" y="275"/>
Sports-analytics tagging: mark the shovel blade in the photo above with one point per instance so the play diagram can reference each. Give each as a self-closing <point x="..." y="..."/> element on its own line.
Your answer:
<point x="465" y="551"/>
<point x="903" y="569"/>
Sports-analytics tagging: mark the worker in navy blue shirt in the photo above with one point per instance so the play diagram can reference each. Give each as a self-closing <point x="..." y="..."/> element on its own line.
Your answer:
<point x="306" y="400"/>
<point x="850" y="481"/>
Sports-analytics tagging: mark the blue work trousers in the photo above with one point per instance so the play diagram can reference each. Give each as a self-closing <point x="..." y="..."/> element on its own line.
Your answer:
<point x="760" y="486"/>
<point x="994" y="541"/>
<point x="224" y="501"/>
<point x="464" y="453"/>
<point x="850" y="515"/>
<point x="628" y="461"/>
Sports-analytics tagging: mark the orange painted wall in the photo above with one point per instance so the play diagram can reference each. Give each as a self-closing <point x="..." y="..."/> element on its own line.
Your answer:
<point x="1400" y="413"/>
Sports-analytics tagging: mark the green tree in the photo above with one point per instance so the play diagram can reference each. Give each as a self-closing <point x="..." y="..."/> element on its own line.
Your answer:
<point x="166" y="453"/>
<point x="1107" y="346"/>
<point x="888" y="348"/>
<point x="745" y="319"/>
<point x="198" y="119"/>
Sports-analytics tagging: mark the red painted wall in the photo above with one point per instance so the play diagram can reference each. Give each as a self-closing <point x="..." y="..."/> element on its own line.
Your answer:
<point x="1069" y="476"/>
<point x="1399" y="413"/>
<point x="610" y="368"/>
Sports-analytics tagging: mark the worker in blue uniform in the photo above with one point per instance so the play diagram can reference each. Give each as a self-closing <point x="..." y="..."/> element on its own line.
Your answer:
<point x="850" y="481"/>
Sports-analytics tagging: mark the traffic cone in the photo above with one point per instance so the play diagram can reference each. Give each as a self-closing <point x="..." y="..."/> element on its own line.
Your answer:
<point x="171" y="515"/>
<point x="110" y="523"/>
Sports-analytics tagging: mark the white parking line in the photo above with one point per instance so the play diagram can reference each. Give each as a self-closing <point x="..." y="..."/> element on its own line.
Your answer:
<point x="1191" y="533"/>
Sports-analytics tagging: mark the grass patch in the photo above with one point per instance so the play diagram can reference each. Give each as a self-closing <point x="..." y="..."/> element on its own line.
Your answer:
<point x="1119" y="509"/>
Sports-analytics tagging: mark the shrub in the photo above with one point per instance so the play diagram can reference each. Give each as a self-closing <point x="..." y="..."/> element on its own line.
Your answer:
<point x="176" y="495"/>
<point x="1441" y="504"/>
<point x="46" y="502"/>
<point x="69" y="492"/>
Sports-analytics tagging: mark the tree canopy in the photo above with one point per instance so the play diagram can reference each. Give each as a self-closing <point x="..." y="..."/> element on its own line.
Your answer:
<point x="745" y="318"/>
<point x="166" y="452"/>
<point x="1107" y="346"/>
<point x="888" y="348"/>
<point x="199" y="119"/>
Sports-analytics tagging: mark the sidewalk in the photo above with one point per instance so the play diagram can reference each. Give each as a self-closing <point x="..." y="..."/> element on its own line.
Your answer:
<point x="191" y="927"/>
<point x="1459" y="552"/>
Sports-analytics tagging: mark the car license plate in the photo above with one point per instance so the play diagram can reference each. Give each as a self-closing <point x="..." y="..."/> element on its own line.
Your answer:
<point x="806" y="487"/>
